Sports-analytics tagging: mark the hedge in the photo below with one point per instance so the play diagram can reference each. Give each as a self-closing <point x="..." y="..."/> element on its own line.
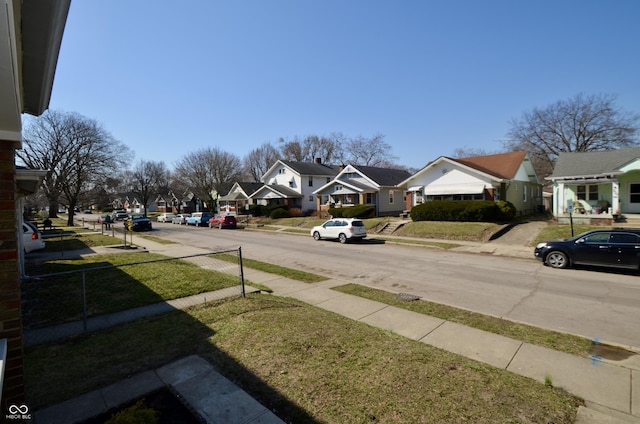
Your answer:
<point x="463" y="211"/>
<point x="357" y="211"/>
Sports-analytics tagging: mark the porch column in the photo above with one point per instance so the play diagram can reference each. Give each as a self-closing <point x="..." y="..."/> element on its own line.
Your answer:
<point x="615" y="197"/>
<point x="558" y="207"/>
<point x="408" y="200"/>
<point x="361" y="199"/>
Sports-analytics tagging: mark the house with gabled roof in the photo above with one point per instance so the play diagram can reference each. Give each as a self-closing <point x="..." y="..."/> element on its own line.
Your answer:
<point x="292" y="184"/>
<point x="364" y="185"/>
<point x="597" y="184"/>
<point x="238" y="197"/>
<point x="503" y="176"/>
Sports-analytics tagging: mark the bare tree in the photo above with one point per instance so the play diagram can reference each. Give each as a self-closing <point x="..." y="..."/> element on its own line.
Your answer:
<point x="209" y="173"/>
<point x="259" y="160"/>
<point x="76" y="151"/>
<point x="328" y="150"/>
<point x="467" y="152"/>
<point x="372" y="151"/>
<point x="579" y="124"/>
<point x="147" y="177"/>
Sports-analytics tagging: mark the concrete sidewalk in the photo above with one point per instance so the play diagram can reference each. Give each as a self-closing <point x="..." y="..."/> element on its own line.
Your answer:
<point x="611" y="389"/>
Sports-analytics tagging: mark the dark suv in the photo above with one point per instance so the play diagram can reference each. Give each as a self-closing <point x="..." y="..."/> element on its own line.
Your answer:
<point x="616" y="247"/>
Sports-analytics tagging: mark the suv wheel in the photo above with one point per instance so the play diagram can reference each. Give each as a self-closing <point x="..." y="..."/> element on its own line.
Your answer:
<point x="342" y="238"/>
<point x="557" y="259"/>
<point x="316" y="235"/>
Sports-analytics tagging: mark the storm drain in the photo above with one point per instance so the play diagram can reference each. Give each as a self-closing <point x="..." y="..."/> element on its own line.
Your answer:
<point x="408" y="297"/>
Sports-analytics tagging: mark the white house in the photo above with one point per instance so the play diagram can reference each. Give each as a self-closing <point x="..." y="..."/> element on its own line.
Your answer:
<point x="292" y="184"/>
<point x="504" y="176"/>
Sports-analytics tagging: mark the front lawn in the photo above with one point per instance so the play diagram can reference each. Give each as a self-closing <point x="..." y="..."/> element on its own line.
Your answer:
<point x="304" y="363"/>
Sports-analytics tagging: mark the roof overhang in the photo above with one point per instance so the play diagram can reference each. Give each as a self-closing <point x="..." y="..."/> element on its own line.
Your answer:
<point x="610" y="176"/>
<point x="30" y="38"/>
<point x="28" y="180"/>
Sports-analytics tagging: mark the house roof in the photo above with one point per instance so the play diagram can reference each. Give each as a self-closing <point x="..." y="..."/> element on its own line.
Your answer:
<point x="250" y="187"/>
<point x="579" y="164"/>
<point x="384" y="176"/>
<point x="311" y="168"/>
<point x="281" y="190"/>
<point x="501" y="165"/>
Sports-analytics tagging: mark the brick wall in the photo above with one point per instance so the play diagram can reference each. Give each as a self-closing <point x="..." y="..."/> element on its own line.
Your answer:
<point x="10" y="312"/>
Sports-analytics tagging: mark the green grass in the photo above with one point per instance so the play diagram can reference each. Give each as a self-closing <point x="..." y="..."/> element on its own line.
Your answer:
<point x="550" y="339"/>
<point x="291" y="273"/>
<point x="439" y="244"/>
<point x="53" y="300"/>
<point x="67" y="239"/>
<point x="307" y="364"/>
<point x="555" y="232"/>
<point x="469" y="231"/>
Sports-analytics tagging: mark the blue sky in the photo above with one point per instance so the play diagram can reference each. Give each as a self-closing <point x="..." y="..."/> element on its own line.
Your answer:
<point x="167" y="78"/>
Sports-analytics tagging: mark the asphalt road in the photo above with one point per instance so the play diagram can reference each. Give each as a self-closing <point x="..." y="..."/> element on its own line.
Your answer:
<point x="597" y="304"/>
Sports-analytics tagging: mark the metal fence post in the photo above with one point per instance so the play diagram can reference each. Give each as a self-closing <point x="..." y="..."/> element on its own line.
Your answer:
<point x="241" y="271"/>
<point x="84" y="303"/>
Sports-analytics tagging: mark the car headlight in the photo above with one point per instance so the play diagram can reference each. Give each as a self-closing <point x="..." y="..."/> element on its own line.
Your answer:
<point x="540" y="245"/>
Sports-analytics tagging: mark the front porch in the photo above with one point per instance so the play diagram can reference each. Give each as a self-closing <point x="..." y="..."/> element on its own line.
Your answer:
<point x="604" y="219"/>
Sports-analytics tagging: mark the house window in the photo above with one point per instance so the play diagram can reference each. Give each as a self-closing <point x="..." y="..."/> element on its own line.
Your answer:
<point x="310" y="181"/>
<point x="634" y="193"/>
<point x="587" y="192"/>
<point x="369" y="198"/>
<point x="311" y="198"/>
<point x="291" y="183"/>
<point x="391" y="197"/>
<point x="524" y="193"/>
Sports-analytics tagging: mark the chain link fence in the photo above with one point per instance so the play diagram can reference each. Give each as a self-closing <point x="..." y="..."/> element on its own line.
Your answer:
<point x="63" y="303"/>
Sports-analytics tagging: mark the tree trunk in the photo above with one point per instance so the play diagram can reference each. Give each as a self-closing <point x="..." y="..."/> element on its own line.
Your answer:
<point x="53" y="209"/>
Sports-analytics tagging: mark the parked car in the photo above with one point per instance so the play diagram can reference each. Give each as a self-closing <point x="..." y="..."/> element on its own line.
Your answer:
<point x="119" y="215"/>
<point x="617" y="247"/>
<point x="137" y="222"/>
<point x="223" y="221"/>
<point x="31" y="238"/>
<point x="343" y="229"/>
<point x="199" y="218"/>
<point x="180" y="218"/>
<point x="165" y="217"/>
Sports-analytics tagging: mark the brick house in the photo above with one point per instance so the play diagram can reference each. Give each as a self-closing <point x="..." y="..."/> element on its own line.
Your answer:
<point x="30" y="37"/>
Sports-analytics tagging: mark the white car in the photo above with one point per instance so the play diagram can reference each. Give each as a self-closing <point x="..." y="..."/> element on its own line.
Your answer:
<point x="181" y="218"/>
<point x="31" y="238"/>
<point x="165" y="217"/>
<point x="343" y="229"/>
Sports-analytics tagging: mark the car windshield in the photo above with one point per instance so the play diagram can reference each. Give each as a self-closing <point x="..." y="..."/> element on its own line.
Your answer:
<point x="137" y="216"/>
<point x="357" y="224"/>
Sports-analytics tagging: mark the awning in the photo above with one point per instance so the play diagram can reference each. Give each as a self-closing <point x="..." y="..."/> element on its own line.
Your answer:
<point x="444" y="189"/>
<point x="415" y="188"/>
